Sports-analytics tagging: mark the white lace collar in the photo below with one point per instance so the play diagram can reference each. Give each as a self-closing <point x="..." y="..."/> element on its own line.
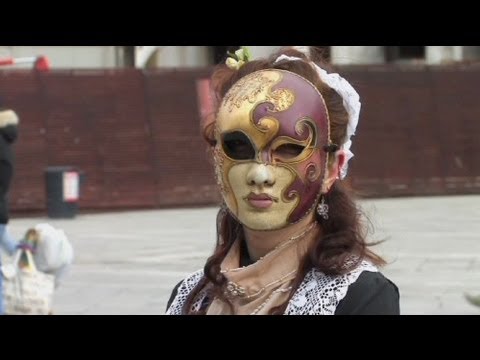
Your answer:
<point x="318" y="294"/>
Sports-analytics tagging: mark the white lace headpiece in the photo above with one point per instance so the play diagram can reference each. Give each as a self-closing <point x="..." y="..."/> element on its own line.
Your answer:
<point x="351" y="102"/>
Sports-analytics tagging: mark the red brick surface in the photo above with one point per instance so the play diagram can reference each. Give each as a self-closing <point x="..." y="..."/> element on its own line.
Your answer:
<point x="136" y="135"/>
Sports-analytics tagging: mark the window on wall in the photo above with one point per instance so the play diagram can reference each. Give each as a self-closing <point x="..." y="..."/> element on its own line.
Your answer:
<point x="220" y="53"/>
<point x="471" y="53"/>
<point x="404" y="53"/>
<point x="129" y="56"/>
<point x="125" y="56"/>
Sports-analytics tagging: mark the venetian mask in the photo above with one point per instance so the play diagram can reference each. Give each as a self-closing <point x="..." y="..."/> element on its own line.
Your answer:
<point x="271" y="130"/>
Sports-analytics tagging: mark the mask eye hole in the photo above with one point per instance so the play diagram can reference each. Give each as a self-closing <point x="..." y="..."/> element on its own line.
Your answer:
<point x="289" y="151"/>
<point x="237" y="146"/>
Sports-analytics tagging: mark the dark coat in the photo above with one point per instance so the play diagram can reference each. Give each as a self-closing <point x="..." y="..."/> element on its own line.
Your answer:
<point x="8" y="135"/>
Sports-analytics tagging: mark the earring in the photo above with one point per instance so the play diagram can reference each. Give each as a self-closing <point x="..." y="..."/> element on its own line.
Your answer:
<point x="322" y="208"/>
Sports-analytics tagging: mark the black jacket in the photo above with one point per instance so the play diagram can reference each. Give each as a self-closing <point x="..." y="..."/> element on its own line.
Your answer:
<point x="8" y="135"/>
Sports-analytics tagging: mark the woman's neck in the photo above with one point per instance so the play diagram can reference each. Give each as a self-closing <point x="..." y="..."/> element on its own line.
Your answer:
<point x="260" y="243"/>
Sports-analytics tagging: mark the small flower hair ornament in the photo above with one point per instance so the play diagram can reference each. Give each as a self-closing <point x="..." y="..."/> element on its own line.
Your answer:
<point x="239" y="58"/>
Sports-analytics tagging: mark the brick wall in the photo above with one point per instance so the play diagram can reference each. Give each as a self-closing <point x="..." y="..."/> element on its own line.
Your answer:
<point x="136" y="134"/>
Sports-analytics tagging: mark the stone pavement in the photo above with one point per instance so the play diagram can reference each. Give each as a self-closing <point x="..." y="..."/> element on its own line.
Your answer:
<point x="128" y="262"/>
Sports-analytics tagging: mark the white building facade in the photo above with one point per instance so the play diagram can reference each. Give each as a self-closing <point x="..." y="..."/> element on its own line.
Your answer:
<point x="200" y="56"/>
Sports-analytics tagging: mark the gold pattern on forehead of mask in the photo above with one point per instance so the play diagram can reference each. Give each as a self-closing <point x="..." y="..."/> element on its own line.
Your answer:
<point x="248" y="88"/>
<point x="240" y="102"/>
<point x="281" y="99"/>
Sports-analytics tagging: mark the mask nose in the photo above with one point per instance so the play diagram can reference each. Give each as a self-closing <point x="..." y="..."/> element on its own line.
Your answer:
<point x="260" y="175"/>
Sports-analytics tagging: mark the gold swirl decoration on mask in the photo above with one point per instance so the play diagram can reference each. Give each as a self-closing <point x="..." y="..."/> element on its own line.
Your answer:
<point x="309" y="124"/>
<point x="269" y="127"/>
<point x="282" y="99"/>
<point x="313" y="172"/>
<point x="291" y="195"/>
<point x="309" y="144"/>
<point x="242" y="101"/>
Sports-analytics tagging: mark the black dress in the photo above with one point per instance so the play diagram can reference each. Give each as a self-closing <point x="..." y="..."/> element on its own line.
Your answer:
<point x="371" y="294"/>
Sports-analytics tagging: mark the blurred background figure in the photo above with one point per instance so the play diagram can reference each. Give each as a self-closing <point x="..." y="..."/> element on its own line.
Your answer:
<point x="8" y="135"/>
<point x="52" y="252"/>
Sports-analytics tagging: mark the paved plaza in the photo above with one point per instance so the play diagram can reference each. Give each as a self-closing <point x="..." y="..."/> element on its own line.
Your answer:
<point x="128" y="262"/>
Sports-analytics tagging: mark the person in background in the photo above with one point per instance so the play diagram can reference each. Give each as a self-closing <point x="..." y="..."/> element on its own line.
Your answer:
<point x="8" y="135"/>
<point x="51" y="249"/>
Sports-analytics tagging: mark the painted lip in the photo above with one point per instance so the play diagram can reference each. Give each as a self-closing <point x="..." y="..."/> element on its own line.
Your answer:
<point x="260" y="201"/>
